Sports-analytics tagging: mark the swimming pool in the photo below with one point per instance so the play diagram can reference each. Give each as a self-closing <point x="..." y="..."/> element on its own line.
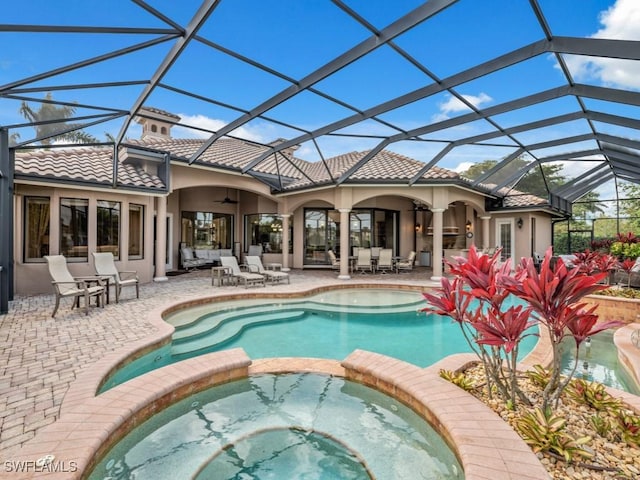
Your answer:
<point x="598" y="362"/>
<point x="283" y="426"/>
<point x="330" y="325"/>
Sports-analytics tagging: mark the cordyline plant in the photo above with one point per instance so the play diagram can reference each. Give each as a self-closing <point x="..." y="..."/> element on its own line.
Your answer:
<point x="590" y="262"/>
<point x="555" y="298"/>
<point x="477" y="300"/>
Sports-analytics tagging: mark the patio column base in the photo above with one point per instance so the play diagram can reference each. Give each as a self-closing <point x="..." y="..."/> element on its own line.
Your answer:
<point x="344" y="277"/>
<point x="160" y="279"/>
<point x="286" y="269"/>
<point x="436" y="279"/>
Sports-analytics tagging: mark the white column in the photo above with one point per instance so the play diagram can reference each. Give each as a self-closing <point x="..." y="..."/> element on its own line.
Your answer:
<point x="485" y="231"/>
<point x="161" y="239"/>
<point x="285" y="242"/>
<point x="344" y="243"/>
<point x="437" y="243"/>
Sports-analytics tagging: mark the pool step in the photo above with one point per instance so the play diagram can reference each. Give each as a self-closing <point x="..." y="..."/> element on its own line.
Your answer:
<point x="229" y="329"/>
<point x="207" y="324"/>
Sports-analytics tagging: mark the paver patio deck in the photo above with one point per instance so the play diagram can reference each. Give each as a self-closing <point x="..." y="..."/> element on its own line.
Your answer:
<point x="41" y="356"/>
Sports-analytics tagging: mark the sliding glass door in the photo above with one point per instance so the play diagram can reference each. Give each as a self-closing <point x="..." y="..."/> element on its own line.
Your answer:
<point x="321" y="234"/>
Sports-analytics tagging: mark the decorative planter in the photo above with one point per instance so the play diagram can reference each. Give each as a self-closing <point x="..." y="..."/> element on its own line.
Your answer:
<point x="626" y="310"/>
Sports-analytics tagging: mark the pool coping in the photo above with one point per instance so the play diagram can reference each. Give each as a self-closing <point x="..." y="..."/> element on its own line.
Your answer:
<point x="81" y="402"/>
<point x="486" y="447"/>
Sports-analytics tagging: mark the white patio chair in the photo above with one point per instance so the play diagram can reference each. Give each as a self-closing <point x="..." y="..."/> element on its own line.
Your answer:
<point x="66" y="285"/>
<point x="272" y="275"/>
<point x="335" y="263"/>
<point x="246" y="278"/>
<point x="407" y="263"/>
<point x="105" y="265"/>
<point x="363" y="262"/>
<point x="385" y="261"/>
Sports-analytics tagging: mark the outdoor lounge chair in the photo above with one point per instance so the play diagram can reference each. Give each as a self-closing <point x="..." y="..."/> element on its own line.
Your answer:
<point x="407" y="263"/>
<point x="273" y="276"/>
<point x="385" y="260"/>
<point x="246" y="278"/>
<point x="335" y="263"/>
<point x="105" y="265"/>
<point x="189" y="260"/>
<point x="255" y="251"/>
<point x="66" y="285"/>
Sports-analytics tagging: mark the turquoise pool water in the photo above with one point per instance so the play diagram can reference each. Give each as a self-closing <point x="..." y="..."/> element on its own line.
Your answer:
<point x="328" y="325"/>
<point x="598" y="363"/>
<point x="295" y="426"/>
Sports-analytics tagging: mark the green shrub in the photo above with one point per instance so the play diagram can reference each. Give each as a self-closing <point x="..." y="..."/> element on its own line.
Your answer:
<point x="629" y="426"/>
<point x="539" y="376"/>
<point x="601" y="425"/>
<point x="544" y="432"/>
<point x="459" y="379"/>
<point x="593" y="394"/>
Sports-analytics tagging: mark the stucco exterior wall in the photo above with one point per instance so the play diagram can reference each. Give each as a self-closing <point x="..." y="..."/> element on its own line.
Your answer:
<point x="33" y="277"/>
<point x="199" y="189"/>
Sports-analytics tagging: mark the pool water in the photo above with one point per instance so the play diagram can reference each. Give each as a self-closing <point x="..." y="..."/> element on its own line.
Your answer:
<point x="330" y="325"/>
<point x="601" y="360"/>
<point x="302" y="426"/>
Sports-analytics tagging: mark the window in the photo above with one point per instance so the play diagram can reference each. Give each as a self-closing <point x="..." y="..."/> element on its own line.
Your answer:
<point x="136" y="232"/>
<point x="207" y="230"/>
<point x="36" y="221"/>
<point x="108" y="227"/>
<point x="266" y="230"/>
<point x="74" y="214"/>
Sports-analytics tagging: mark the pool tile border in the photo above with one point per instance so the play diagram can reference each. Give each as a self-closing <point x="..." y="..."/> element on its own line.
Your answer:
<point x="486" y="447"/>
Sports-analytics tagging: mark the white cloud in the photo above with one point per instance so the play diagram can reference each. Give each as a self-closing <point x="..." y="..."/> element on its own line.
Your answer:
<point x="463" y="166"/>
<point x="454" y="105"/>
<point x="213" y="124"/>
<point x="620" y="22"/>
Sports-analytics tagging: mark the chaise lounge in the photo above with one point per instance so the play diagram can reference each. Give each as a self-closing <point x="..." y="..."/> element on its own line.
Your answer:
<point x="255" y="264"/>
<point x="246" y="278"/>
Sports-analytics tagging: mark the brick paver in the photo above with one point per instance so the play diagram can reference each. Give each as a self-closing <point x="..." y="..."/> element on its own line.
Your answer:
<point x="41" y="356"/>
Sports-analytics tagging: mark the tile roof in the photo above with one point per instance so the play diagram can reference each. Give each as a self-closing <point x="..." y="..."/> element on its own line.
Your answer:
<point x="386" y="166"/>
<point x="159" y="111"/>
<point x="87" y="165"/>
<point x="94" y="165"/>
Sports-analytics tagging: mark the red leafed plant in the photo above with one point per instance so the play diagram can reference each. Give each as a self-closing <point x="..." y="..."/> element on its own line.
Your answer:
<point x="478" y="300"/>
<point x="492" y="326"/>
<point x="554" y="296"/>
<point x="627" y="266"/>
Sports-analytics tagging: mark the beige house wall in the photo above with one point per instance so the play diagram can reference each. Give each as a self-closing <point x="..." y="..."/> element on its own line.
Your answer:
<point x="33" y="277"/>
<point x="200" y="189"/>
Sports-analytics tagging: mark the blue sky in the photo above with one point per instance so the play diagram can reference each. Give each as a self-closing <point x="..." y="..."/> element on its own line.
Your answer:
<point x="295" y="37"/>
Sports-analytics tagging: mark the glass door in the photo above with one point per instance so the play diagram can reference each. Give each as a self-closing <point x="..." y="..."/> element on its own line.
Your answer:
<point x="321" y="233"/>
<point x="504" y="234"/>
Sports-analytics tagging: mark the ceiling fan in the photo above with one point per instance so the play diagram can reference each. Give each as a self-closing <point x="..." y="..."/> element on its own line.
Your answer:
<point x="420" y="207"/>
<point x="226" y="200"/>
